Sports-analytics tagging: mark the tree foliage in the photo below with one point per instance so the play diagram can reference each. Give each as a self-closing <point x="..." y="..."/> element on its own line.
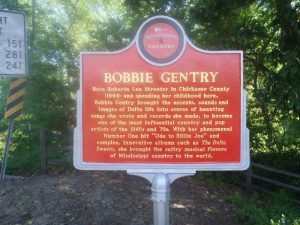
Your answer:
<point x="268" y="32"/>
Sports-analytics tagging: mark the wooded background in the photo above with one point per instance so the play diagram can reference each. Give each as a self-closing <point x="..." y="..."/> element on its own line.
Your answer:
<point x="268" y="31"/>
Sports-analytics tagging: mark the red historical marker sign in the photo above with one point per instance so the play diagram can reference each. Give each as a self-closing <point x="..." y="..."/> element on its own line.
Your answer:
<point x="161" y="103"/>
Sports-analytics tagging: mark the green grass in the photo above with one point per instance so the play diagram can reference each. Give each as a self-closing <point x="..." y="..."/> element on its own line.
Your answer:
<point x="258" y="209"/>
<point x="254" y="208"/>
<point x="23" y="161"/>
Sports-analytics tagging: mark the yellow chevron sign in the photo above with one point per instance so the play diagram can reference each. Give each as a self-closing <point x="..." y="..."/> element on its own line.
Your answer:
<point x="15" y="99"/>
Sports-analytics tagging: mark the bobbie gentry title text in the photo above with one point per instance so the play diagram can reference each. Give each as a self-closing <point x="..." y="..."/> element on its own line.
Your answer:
<point x="166" y="77"/>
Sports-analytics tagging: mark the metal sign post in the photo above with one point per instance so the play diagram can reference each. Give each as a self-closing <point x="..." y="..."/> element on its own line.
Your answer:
<point x="7" y="145"/>
<point x="161" y="188"/>
<point x="13" y="63"/>
<point x="161" y="109"/>
<point x="13" y="111"/>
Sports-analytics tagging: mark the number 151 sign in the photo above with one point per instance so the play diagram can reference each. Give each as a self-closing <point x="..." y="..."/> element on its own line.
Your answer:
<point x="13" y="47"/>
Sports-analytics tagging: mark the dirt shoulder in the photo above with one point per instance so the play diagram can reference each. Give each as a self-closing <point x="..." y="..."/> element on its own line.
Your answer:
<point x="107" y="198"/>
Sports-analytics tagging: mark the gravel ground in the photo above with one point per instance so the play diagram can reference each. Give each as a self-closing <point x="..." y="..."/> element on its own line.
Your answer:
<point x="107" y="198"/>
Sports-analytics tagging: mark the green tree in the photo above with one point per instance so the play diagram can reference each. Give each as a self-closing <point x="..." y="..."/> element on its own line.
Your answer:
<point x="268" y="33"/>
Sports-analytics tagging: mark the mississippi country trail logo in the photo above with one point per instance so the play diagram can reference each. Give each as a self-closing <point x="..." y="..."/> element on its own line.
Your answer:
<point x="160" y="41"/>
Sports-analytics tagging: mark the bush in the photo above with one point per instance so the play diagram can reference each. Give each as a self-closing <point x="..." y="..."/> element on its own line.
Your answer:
<point x="259" y="210"/>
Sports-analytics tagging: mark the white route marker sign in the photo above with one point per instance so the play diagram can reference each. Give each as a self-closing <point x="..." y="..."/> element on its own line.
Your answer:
<point x="13" y="45"/>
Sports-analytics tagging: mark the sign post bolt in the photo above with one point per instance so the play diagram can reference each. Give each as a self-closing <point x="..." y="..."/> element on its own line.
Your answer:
<point x="161" y="198"/>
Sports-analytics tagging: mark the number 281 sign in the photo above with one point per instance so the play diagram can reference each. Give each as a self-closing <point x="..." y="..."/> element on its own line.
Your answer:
<point x="161" y="104"/>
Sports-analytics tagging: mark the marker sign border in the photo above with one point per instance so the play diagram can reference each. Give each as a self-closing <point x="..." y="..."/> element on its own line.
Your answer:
<point x="25" y="48"/>
<point x="162" y="167"/>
